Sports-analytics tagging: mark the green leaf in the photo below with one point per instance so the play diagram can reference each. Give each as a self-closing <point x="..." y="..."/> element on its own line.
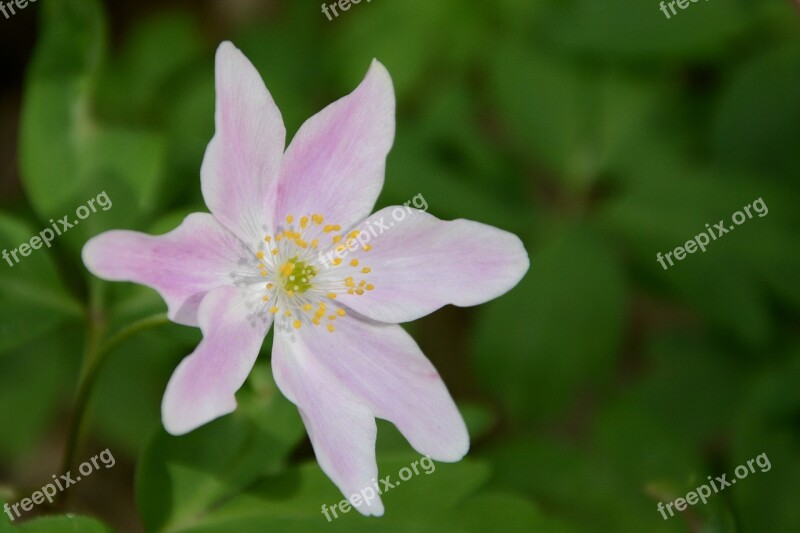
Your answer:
<point x="182" y="479"/>
<point x="558" y="330"/>
<point x="402" y="36"/>
<point x="710" y="383"/>
<point x="56" y="125"/>
<point x="667" y="202"/>
<point x="767" y="424"/>
<point x="33" y="300"/>
<point x="506" y="512"/>
<point x="140" y="368"/>
<point x="757" y="125"/>
<point x="153" y="57"/>
<point x="60" y="524"/>
<point x="632" y="29"/>
<point x="427" y="501"/>
<point x="84" y="158"/>
<point x="570" y="120"/>
<point x="39" y="376"/>
<point x="579" y="485"/>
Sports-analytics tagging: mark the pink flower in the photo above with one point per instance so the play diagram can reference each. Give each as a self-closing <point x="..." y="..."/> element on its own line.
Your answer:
<point x="259" y="258"/>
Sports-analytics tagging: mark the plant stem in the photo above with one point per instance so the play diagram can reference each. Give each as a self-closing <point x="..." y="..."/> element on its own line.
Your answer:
<point x="94" y="356"/>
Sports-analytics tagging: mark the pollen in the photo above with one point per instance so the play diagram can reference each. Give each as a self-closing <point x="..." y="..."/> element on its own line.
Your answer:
<point x="300" y="281"/>
<point x="286" y="269"/>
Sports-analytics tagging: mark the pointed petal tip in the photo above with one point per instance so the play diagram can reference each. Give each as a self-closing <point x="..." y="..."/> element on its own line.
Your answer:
<point x="452" y="456"/>
<point x="178" y="421"/>
<point x="374" y="508"/>
<point x="226" y="47"/>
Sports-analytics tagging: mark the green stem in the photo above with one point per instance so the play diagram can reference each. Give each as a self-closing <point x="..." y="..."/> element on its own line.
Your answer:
<point x="94" y="357"/>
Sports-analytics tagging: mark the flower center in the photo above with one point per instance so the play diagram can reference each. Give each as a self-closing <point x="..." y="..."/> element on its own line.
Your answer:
<point x="304" y="267"/>
<point x="297" y="275"/>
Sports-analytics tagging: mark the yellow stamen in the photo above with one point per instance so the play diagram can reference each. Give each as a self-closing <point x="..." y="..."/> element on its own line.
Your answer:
<point x="286" y="269"/>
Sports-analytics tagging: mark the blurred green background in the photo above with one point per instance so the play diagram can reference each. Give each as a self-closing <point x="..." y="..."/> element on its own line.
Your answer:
<point x="600" y="132"/>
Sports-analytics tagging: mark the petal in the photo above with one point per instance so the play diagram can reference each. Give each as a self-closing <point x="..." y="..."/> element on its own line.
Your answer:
<point x="202" y="388"/>
<point x="420" y="263"/>
<point x="383" y="366"/>
<point x="335" y="164"/>
<point x="341" y="428"/>
<point x="242" y="161"/>
<point x="182" y="265"/>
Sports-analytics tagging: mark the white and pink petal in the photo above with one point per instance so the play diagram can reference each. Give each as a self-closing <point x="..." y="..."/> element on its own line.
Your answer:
<point x="182" y="265"/>
<point x="335" y="164"/>
<point x="384" y="367"/>
<point x="420" y="263"/>
<point x="239" y="175"/>
<point x="203" y="386"/>
<point x="341" y="427"/>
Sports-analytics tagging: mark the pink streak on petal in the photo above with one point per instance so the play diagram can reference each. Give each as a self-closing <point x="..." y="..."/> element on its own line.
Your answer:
<point x="202" y="388"/>
<point x="335" y="164"/>
<point x="384" y="367"/>
<point x="423" y="263"/>
<point x="341" y="428"/>
<point x="182" y="265"/>
<point x="242" y="161"/>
